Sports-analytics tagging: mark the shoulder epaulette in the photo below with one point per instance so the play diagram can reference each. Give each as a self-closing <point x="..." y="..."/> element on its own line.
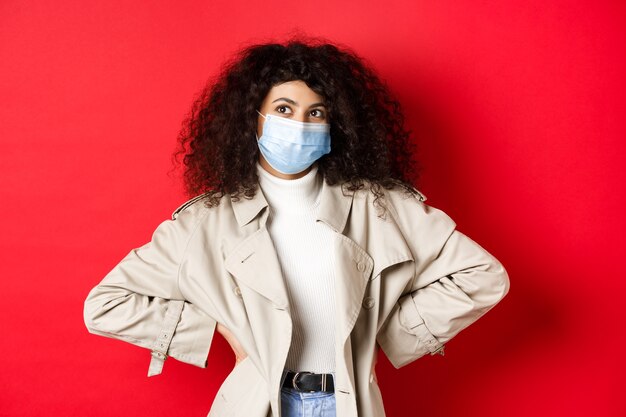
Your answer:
<point x="420" y="195"/>
<point x="187" y="204"/>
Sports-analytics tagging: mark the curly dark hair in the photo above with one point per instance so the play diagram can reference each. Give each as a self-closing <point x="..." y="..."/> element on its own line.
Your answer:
<point x="369" y="144"/>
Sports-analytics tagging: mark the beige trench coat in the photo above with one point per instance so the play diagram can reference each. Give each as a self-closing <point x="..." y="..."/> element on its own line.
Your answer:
<point x="410" y="282"/>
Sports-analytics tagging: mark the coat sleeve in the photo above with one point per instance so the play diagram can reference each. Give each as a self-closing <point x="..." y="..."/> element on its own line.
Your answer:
<point x="456" y="281"/>
<point x="139" y="300"/>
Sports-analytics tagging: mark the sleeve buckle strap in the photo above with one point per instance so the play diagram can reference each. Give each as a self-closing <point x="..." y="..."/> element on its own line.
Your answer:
<point x="439" y="351"/>
<point x="415" y="323"/>
<point x="162" y="343"/>
<point x="158" y="355"/>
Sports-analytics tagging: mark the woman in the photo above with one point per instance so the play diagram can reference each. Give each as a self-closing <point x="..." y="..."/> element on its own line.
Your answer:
<point x="306" y="247"/>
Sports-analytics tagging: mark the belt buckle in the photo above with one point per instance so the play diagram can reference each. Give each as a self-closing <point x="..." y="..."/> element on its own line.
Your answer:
<point x="293" y="381"/>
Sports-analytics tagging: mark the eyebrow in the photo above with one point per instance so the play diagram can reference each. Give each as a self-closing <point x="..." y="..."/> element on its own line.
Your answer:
<point x="290" y="101"/>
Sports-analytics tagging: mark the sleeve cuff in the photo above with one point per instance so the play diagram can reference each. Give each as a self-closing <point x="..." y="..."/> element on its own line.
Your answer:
<point x="186" y="336"/>
<point x="411" y="319"/>
<point x="193" y="337"/>
<point x="405" y="338"/>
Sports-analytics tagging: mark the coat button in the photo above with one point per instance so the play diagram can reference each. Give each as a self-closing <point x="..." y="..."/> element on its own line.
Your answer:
<point x="360" y="266"/>
<point x="237" y="291"/>
<point x="368" y="302"/>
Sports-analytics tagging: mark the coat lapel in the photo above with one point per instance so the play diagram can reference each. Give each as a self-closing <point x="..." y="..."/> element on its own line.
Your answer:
<point x="254" y="262"/>
<point x="353" y="265"/>
<point x="353" y="269"/>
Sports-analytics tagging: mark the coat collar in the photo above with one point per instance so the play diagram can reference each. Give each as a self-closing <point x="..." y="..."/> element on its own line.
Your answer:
<point x="334" y="207"/>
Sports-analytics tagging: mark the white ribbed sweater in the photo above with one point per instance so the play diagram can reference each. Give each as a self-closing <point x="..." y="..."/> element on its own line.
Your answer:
<point x="305" y="252"/>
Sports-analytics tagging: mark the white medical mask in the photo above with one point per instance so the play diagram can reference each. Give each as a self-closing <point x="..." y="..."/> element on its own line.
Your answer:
<point x="290" y="146"/>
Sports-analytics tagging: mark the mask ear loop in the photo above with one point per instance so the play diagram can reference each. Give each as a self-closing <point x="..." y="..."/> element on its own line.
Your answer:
<point x="260" y="114"/>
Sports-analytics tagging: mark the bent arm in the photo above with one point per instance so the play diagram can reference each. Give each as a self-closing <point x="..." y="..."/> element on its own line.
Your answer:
<point x="456" y="282"/>
<point x="139" y="301"/>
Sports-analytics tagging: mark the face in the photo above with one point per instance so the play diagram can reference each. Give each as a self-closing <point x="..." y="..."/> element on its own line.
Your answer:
<point x="292" y="100"/>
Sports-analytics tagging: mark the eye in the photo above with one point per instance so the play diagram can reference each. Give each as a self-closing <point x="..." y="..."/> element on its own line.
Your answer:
<point x="284" y="109"/>
<point x="318" y="113"/>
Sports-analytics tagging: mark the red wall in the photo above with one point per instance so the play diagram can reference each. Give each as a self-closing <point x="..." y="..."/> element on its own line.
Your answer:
<point x="519" y="110"/>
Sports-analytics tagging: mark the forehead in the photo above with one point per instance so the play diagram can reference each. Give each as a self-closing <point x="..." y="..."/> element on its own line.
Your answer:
<point x="297" y="91"/>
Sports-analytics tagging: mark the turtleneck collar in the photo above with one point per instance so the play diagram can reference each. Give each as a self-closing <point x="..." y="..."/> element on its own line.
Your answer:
<point x="297" y="195"/>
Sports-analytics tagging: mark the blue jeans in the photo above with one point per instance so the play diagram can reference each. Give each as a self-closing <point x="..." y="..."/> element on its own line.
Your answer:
<point x="306" y="404"/>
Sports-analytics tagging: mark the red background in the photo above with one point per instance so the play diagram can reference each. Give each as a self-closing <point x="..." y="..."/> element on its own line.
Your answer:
<point x="519" y="111"/>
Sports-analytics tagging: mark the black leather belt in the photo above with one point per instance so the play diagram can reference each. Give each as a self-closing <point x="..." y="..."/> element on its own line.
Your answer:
<point x="309" y="382"/>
